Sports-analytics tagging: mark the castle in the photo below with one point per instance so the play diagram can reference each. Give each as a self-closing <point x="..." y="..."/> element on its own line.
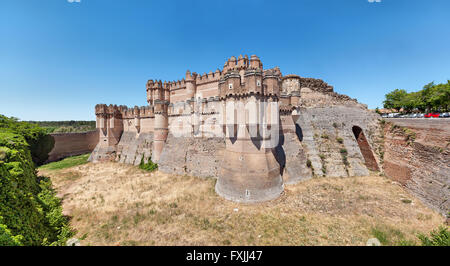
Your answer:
<point x="253" y="129"/>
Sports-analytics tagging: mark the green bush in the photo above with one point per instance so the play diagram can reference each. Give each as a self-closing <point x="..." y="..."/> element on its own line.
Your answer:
<point x="30" y="213"/>
<point x="149" y="166"/>
<point x="439" y="237"/>
<point x="40" y="143"/>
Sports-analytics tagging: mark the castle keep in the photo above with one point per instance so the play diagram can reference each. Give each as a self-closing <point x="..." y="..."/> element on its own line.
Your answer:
<point x="253" y="129"/>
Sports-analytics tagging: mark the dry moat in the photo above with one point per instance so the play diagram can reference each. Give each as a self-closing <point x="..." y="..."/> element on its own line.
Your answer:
<point x="119" y="204"/>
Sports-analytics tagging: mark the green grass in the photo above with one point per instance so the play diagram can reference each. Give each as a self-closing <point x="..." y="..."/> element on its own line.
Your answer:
<point x="67" y="162"/>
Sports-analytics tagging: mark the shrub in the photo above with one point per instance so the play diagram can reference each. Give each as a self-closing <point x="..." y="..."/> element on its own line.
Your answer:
<point x="439" y="237"/>
<point x="308" y="163"/>
<point x="30" y="213"/>
<point x="149" y="166"/>
<point x="340" y="140"/>
<point x="39" y="142"/>
<point x="343" y="151"/>
<point x="345" y="160"/>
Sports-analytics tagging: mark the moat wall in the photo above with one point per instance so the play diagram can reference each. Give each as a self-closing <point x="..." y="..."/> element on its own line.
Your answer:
<point x="71" y="144"/>
<point x="418" y="163"/>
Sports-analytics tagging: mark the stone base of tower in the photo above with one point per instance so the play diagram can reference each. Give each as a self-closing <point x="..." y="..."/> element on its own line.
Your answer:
<point x="249" y="177"/>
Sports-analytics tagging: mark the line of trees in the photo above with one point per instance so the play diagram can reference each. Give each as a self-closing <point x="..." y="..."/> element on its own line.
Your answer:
<point x="432" y="98"/>
<point x="65" y="126"/>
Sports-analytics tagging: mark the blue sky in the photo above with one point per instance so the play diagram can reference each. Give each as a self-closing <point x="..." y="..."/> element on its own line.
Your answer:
<point x="58" y="59"/>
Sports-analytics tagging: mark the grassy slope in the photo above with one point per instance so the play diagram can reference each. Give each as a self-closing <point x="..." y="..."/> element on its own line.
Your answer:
<point x="116" y="204"/>
<point x="66" y="163"/>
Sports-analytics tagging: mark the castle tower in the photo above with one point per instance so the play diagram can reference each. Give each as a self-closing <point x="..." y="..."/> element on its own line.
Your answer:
<point x="109" y="121"/>
<point x="161" y="129"/>
<point x="191" y="87"/>
<point x="249" y="172"/>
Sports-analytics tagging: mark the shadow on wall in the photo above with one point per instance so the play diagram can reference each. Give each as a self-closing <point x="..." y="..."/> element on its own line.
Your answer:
<point x="298" y="132"/>
<point x="365" y="149"/>
<point x="279" y="153"/>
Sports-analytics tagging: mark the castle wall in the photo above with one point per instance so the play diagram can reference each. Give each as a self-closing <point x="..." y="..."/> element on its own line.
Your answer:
<point x="192" y="156"/>
<point x="183" y="129"/>
<point x="71" y="144"/>
<point x="321" y="128"/>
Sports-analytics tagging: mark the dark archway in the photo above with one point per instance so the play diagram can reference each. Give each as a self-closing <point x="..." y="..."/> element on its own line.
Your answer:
<point x="364" y="146"/>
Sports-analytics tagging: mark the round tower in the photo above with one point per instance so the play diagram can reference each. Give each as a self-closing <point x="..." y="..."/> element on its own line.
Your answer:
<point x="249" y="172"/>
<point x="161" y="129"/>
<point x="191" y="86"/>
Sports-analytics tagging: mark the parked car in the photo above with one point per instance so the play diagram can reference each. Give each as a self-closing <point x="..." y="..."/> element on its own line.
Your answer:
<point x="431" y="115"/>
<point x="444" y="115"/>
<point x="420" y="115"/>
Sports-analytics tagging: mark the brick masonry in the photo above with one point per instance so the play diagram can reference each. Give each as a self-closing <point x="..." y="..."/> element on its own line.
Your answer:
<point x="71" y="144"/>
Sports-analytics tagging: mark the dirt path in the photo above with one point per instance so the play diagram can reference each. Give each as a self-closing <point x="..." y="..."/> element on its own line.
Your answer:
<point x="116" y="204"/>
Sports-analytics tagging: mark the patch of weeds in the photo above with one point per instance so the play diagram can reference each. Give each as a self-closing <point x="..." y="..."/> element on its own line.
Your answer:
<point x="129" y="243"/>
<point x="335" y="125"/>
<point x="343" y="151"/>
<point x="83" y="237"/>
<point x="173" y="205"/>
<point x="439" y="237"/>
<point x="149" y="166"/>
<point x="407" y="243"/>
<point x="406" y="201"/>
<point x="340" y="140"/>
<point x="324" y="169"/>
<point x="410" y="135"/>
<point x="363" y="197"/>
<point x="324" y="136"/>
<point x="308" y="163"/>
<point x="114" y="219"/>
<point x="138" y="217"/>
<point x="345" y="160"/>
<point x="389" y="236"/>
<point x="226" y="242"/>
<point x="423" y="217"/>
<point x="394" y="127"/>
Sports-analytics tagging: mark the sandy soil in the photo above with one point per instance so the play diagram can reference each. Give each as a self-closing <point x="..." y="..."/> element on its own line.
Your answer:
<point x="117" y="204"/>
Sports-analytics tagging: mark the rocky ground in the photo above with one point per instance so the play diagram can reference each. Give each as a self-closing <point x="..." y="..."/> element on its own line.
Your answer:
<point x="118" y="204"/>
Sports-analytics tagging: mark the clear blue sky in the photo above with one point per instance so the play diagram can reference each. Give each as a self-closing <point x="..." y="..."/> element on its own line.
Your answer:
<point x="58" y="59"/>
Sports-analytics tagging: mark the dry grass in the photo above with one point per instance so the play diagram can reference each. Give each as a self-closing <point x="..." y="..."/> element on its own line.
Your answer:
<point x="116" y="204"/>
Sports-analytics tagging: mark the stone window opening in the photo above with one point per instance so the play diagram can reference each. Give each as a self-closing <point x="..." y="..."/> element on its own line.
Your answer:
<point x="230" y="86"/>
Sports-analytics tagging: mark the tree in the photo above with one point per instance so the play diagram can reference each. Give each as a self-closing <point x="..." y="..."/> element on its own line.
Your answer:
<point x="395" y="99"/>
<point x="431" y="98"/>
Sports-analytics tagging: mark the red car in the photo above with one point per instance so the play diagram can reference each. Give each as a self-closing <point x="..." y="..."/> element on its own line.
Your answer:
<point x="431" y="115"/>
